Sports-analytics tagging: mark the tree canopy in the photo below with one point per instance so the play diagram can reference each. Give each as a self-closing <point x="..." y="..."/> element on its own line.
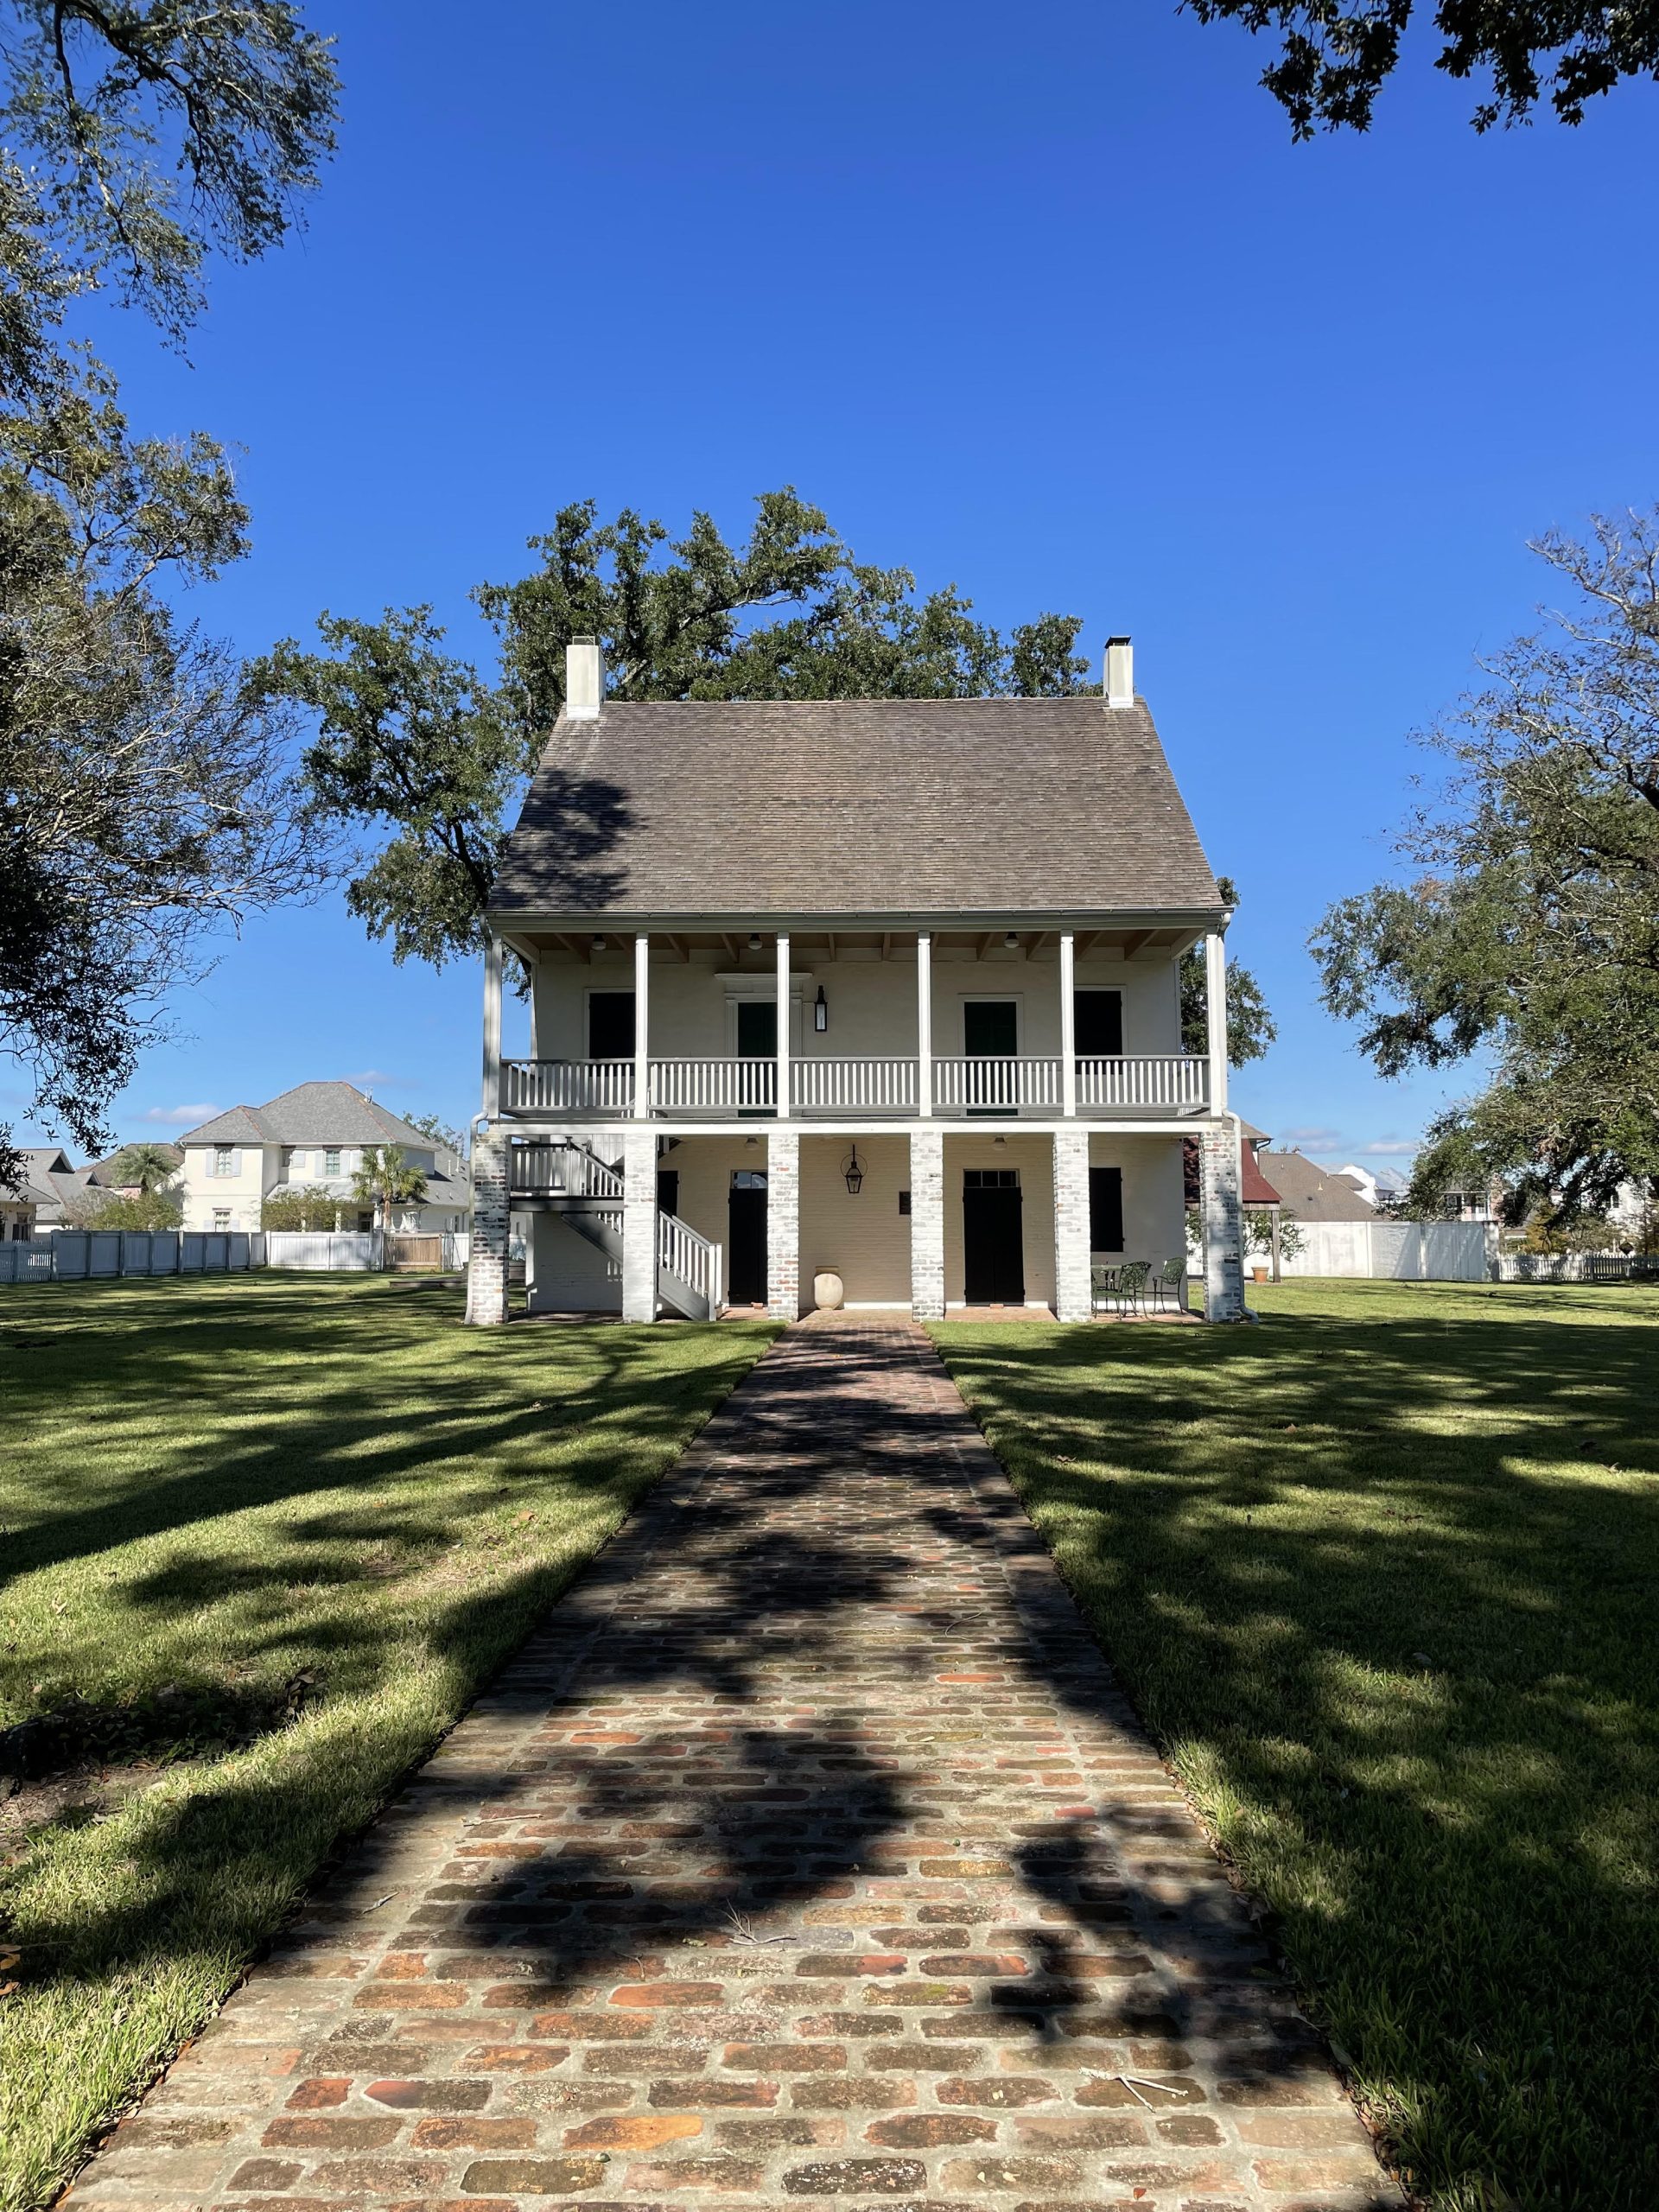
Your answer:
<point x="1251" y="1030"/>
<point x="145" y="797"/>
<point x="139" y="137"/>
<point x="416" y="749"/>
<point x="1336" y="55"/>
<point x="1527" y="932"/>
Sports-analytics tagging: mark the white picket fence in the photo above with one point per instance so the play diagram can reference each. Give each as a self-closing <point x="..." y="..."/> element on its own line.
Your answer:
<point x="88" y="1255"/>
<point x="1578" y="1266"/>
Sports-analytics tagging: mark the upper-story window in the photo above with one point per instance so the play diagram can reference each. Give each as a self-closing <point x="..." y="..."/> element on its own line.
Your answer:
<point x="331" y="1159"/>
<point x="223" y="1159"/>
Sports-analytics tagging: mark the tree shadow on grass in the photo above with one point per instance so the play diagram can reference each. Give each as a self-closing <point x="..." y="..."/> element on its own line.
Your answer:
<point x="1387" y="1590"/>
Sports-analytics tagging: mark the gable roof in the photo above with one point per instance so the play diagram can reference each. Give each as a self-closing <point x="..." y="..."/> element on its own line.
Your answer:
<point x="1312" y="1194"/>
<point x="854" y="806"/>
<point x="51" y="1182"/>
<point x="312" y="1112"/>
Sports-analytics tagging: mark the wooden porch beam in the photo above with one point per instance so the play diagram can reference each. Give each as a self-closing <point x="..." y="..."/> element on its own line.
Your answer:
<point x="1135" y="939"/>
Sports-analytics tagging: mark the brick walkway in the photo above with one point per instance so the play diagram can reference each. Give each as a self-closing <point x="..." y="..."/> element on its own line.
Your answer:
<point x="808" y="1853"/>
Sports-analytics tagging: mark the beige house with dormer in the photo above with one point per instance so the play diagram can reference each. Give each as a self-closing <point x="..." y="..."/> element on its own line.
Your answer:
<point x="873" y="999"/>
<point x="312" y="1138"/>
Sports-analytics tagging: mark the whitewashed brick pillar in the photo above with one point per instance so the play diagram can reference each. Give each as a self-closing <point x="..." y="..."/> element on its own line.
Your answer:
<point x="639" y="1224"/>
<point x="1223" y="1225"/>
<point x="927" y="1224"/>
<point x="1073" y="1300"/>
<point x="784" y="1225"/>
<point x="487" y="1260"/>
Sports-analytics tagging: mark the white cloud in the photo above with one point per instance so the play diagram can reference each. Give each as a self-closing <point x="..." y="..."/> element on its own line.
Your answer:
<point x="366" y="1078"/>
<point x="179" y="1117"/>
<point x="1312" y="1139"/>
<point x="1391" y="1148"/>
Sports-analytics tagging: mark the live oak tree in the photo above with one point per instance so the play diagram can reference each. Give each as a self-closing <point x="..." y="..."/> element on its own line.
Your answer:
<point x="1335" y="56"/>
<point x="416" y="748"/>
<point x="144" y="798"/>
<point x="1526" y="934"/>
<point x="1250" y="1028"/>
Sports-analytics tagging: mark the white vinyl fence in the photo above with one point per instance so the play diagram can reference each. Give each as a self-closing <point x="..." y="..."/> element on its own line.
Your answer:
<point x="85" y="1255"/>
<point x="349" y="1251"/>
<point x="1397" y="1251"/>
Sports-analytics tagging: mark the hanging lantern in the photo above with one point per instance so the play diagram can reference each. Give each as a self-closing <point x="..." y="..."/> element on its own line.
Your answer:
<point x="854" y="1175"/>
<point x="820" y="1011"/>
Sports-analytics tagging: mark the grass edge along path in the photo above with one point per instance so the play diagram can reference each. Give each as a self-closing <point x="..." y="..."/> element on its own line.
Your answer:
<point x="1379" y="1575"/>
<point x="134" y="1926"/>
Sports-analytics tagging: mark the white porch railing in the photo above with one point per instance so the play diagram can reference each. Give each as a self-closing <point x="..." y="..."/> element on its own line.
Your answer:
<point x="724" y="1086"/>
<point x="1142" y="1082"/>
<point x="885" y="1085"/>
<point x="567" y="1086"/>
<point x="990" y="1083"/>
<point x="559" y="1171"/>
<point x="694" y="1259"/>
<point x="1154" y="1082"/>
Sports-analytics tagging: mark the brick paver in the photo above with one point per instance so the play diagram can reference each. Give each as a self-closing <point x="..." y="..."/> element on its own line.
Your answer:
<point x="808" y="1853"/>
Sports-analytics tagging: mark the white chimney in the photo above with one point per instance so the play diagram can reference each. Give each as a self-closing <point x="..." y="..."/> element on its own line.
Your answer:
<point x="584" y="680"/>
<point x="1120" y="672"/>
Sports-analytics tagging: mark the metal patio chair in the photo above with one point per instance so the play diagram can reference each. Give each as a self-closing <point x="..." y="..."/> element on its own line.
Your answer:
<point x="1132" y="1278"/>
<point x="1102" y="1288"/>
<point x="1167" y="1286"/>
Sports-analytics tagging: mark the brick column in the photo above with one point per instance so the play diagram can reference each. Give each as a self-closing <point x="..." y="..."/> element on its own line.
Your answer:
<point x="784" y="1222"/>
<point x="927" y="1224"/>
<point x="1223" y="1221"/>
<point x="487" y="1260"/>
<point x="1073" y="1299"/>
<point x="639" y="1224"/>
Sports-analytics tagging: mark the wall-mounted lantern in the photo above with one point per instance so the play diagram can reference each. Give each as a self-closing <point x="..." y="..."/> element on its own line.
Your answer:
<point x="820" y="1011"/>
<point x="854" y="1175"/>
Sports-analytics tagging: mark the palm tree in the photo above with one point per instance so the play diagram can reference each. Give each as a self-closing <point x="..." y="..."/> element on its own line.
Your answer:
<point x="144" y="1168"/>
<point x="386" y="1180"/>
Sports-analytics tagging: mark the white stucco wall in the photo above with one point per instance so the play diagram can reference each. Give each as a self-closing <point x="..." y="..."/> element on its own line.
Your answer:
<point x="872" y="1003"/>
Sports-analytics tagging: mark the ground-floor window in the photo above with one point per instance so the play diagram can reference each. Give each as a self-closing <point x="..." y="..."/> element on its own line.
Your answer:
<point x="221" y="1220"/>
<point x="1105" y="1209"/>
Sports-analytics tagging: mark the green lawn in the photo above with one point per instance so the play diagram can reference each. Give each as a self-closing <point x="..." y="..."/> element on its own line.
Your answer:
<point x="265" y="1535"/>
<point x="1380" y="1574"/>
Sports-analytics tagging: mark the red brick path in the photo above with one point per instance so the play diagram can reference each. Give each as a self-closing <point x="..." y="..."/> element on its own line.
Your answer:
<point x="808" y="1853"/>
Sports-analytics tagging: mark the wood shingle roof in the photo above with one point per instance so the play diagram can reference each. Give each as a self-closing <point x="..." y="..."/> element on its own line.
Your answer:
<point x="854" y="807"/>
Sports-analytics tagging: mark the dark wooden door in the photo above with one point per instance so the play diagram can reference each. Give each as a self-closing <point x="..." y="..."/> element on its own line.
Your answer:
<point x="993" y="1243"/>
<point x="668" y="1191"/>
<point x="757" y="1039"/>
<point x="1098" y="1016"/>
<point x="745" y="1243"/>
<point x="990" y="1030"/>
<point x="610" y="1024"/>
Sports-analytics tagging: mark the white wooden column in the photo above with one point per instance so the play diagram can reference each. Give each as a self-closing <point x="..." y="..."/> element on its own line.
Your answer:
<point x="1215" y="994"/>
<point x="1068" y="1024"/>
<point x="641" y="1027"/>
<point x="782" y="1030"/>
<point x="923" y="1031"/>
<point x="492" y="1025"/>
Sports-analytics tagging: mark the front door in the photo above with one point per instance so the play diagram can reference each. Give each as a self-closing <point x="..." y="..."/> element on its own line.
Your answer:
<point x="992" y="1246"/>
<point x="990" y="1030"/>
<point x="757" y="1039"/>
<point x="746" y="1239"/>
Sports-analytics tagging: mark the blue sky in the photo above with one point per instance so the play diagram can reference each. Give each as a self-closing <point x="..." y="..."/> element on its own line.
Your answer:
<point x="1042" y="300"/>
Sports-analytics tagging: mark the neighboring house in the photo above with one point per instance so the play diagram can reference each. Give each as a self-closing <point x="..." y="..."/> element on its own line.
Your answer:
<point x="1311" y="1192"/>
<point x="312" y="1137"/>
<point x="884" y="989"/>
<point x="20" y="1204"/>
<point x="102" y="1171"/>
<point x="1379" y="1187"/>
<point x="65" y="1195"/>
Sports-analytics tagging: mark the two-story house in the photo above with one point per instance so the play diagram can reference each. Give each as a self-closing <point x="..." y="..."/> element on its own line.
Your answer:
<point x="885" y="991"/>
<point x="312" y="1138"/>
